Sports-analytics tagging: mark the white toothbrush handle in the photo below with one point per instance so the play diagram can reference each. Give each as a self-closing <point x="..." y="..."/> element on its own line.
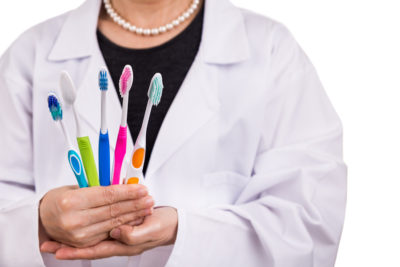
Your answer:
<point x="103" y="112"/>
<point x="64" y="129"/>
<point x="141" y="139"/>
<point x="77" y="122"/>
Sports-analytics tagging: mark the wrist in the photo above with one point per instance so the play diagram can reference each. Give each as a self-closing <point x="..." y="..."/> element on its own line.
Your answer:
<point x="173" y="226"/>
<point x="43" y="236"/>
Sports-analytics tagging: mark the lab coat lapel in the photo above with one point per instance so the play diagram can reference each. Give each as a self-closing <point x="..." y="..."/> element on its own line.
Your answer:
<point x="194" y="105"/>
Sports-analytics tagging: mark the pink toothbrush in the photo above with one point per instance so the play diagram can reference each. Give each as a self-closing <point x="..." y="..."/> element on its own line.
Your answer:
<point x="125" y="84"/>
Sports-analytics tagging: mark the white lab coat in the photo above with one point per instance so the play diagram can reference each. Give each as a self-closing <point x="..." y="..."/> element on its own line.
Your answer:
<point x="250" y="152"/>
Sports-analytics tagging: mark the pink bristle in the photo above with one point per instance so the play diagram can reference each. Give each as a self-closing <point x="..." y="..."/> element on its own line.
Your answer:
<point x="125" y="82"/>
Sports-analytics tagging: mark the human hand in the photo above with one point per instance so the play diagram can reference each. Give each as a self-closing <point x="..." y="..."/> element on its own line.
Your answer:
<point x="158" y="229"/>
<point x="84" y="217"/>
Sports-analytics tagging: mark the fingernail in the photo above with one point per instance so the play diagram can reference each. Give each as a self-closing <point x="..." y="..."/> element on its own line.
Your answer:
<point x="149" y="201"/>
<point x="115" y="233"/>
<point x="142" y="192"/>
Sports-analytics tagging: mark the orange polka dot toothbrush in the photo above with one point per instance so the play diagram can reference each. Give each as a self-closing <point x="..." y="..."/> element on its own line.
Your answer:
<point x="135" y="169"/>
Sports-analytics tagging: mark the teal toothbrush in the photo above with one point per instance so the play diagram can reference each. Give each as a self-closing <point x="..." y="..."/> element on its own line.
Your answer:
<point x="73" y="157"/>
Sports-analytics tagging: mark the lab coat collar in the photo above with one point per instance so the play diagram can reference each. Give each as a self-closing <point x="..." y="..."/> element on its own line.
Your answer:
<point x="77" y="38"/>
<point x="224" y="37"/>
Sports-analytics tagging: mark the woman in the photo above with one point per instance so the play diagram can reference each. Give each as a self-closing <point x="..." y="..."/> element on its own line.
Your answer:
<point x="247" y="164"/>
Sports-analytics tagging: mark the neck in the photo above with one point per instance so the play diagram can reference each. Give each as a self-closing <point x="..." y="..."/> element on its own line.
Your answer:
<point x="150" y="13"/>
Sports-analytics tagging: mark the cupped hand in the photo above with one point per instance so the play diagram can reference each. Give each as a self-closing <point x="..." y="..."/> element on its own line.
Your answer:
<point x="158" y="229"/>
<point x="82" y="217"/>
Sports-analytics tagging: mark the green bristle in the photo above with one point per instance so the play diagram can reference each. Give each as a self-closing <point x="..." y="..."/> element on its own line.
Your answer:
<point x="156" y="89"/>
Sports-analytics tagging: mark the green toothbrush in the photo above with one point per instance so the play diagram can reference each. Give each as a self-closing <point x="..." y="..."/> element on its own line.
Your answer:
<point x="69" y="94"/>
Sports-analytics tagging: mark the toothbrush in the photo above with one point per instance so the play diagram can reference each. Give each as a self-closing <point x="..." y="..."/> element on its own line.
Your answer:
<point x="69" y="95"/>
<point x="104" y="142"/>
<point x="135" y="169"/>
<point x="73" y="157"/>
<point x="125" y="84"/>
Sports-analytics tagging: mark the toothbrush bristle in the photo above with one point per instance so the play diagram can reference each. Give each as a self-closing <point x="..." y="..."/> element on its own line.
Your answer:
<point x="54" y="107"/>
<point x="68" y="90"/>
<point x="126" y="80"/>
<point x="103" y="80"/>
<point x="156" y="89"/>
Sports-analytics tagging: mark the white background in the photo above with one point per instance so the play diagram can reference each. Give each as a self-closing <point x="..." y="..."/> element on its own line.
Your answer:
<point x="355" y="46"/>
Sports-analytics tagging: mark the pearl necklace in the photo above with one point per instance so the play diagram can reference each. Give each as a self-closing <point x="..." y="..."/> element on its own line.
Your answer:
<point x="155" y="31"/>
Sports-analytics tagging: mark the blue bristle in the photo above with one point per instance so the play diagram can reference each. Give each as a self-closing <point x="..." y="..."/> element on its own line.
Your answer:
<point x="103" y="80"/>
<point x="54" y="107"/>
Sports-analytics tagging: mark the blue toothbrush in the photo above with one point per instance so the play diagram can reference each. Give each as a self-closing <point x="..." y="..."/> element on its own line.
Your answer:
<point x="104" y="142"/>
<point x="73" y="157"/>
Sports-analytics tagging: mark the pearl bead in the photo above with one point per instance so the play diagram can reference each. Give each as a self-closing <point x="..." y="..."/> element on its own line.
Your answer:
<point x="155" y="31"/>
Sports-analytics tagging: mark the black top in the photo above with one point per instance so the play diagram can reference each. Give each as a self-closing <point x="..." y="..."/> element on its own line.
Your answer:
<point x="172" y="59"/>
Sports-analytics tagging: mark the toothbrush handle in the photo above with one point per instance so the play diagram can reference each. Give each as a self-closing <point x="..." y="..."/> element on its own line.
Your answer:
<point x="88" y="160"/>
<point x="136" y="178"/>
<point x="77" y="167"/>
<point x="104" y="159"/>
<point x="134" y="174"/>
<point x="120" y="150"/>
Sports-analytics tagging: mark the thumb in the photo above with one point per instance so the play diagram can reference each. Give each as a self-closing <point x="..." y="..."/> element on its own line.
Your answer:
<point x="132" y="235"/>
<point x="50" y="247"/>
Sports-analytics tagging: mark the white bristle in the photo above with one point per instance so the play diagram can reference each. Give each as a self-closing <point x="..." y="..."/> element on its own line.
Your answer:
<point x="67" y="86"/>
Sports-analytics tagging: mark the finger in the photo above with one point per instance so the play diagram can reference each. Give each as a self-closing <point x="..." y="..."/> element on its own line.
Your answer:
<point x="104" y="249"/>
<point x="97" y="196"/>
<point x="83" y="239"/>
<point x="50" y="247"/>
<point x="108" y="225"/>
<point x="107" y="212"/>
<point x="133" y="235"/>
<point x="136" y="222"/>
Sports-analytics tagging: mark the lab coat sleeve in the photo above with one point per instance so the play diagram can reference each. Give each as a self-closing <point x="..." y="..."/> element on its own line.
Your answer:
<point x="19" y="244"/>
<point x="291" y="211"/>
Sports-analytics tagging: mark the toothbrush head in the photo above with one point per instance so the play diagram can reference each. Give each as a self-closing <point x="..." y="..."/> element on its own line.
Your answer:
<point x="67" y="86"/>
<point x="103" y="79"/>
<point x="54" y="106"/>
<point x="156" y="89"/>
<point x="126" y="80"/>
